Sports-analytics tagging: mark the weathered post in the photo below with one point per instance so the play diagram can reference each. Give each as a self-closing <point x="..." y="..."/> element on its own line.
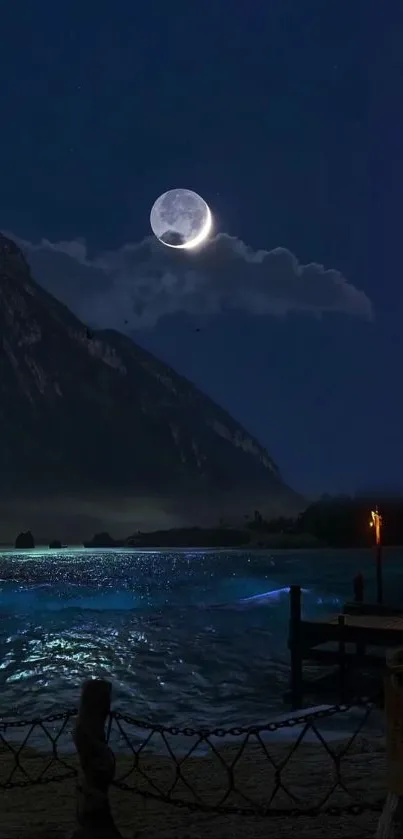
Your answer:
<point x="97" y="763"/>
<point x="358" y="588"/>
<point x="295" y="646"/>
<point x="390" y="824"/>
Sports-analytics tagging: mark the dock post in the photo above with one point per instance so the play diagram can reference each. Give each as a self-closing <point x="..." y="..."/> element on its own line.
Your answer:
<point x="341" y="620"/>
<point x="379" y="580"/>
<point x="295" y="646"/>
<point x="390" y="825"/>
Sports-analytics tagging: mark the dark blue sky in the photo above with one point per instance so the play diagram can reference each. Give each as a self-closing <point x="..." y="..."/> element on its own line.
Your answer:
<point x="286" y="116"/>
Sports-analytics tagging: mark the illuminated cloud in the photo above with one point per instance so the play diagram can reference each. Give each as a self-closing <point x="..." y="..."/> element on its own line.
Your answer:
<point x="141" y="283"/>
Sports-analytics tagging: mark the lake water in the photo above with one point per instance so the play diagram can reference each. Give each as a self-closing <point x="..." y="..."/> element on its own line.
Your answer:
<point x="185" y="636"/>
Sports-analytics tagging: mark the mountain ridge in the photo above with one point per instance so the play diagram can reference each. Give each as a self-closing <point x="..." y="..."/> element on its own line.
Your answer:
<point x="84" y="410"/>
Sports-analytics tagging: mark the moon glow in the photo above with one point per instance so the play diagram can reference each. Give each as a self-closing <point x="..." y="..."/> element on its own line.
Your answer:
<point x="180" y="218"/>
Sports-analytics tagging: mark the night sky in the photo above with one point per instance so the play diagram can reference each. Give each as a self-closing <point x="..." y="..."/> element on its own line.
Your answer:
<point x="286" y="117"/>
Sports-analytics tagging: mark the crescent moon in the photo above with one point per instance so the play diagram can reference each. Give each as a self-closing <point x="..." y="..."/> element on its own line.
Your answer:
<point x="201" y="236"/>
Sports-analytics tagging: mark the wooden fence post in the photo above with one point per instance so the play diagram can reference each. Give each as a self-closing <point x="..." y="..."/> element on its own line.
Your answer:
<point x="390" y="825"/>
<point x="97" y="763"/>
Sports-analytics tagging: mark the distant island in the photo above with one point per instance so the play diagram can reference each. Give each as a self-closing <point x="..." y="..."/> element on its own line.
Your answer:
<point x="25" y="540"/>
<point x="187" y="537"/>
<point x="199" y="537"/>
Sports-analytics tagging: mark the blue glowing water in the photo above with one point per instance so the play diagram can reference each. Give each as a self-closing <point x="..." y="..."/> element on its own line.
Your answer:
<point x="187" y="637"/>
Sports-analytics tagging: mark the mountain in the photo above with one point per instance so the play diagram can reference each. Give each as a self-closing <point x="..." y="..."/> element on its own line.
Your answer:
<point x="88" y="414"/>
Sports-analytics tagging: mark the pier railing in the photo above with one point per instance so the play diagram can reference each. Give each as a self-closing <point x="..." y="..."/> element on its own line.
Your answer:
<point x="322" y="760"/>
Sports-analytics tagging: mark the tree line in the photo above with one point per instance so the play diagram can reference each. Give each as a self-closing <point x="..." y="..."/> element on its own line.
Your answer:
<point x="339" y="521"/>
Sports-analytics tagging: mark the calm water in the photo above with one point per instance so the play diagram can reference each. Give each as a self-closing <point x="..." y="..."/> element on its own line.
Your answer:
<point x="173" y="630"/>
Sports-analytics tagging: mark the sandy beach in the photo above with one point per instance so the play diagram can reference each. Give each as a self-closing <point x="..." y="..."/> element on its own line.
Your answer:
<point x="48" y="810"/>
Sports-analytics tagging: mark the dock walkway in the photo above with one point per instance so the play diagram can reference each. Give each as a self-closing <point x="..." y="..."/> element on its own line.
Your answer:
<point x="357" y="638"/>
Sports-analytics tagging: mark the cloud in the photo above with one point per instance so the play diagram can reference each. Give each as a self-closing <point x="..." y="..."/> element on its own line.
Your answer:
<point x="141" y="283"/>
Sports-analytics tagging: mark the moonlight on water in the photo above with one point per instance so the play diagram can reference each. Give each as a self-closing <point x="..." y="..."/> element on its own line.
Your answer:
<point x="180" y="218"/>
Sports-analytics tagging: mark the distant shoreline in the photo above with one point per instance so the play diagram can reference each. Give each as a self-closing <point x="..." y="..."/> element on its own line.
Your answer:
<point x="205" y="539"/>
<point x="168" y="540"/>
<point x="191" y="538"/>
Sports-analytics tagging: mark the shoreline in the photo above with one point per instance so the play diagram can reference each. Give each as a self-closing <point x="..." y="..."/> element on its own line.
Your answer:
<point x="249" y="547"/>
<point x="49" y="809"/>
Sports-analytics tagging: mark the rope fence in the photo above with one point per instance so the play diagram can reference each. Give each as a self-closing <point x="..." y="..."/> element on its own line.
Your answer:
<point x="258" y="776"/>
<point x="251" y="771"/>
<point x="291" y="767"/>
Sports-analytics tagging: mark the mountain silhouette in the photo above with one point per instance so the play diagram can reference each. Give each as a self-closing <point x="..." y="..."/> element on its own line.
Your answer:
<point x="84" y="410"/>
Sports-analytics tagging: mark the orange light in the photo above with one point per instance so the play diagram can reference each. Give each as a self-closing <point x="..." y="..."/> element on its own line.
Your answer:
<point x="376" y="522"/>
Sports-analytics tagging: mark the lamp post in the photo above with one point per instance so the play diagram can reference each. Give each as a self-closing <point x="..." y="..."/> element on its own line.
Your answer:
<point x="376" y="523"/>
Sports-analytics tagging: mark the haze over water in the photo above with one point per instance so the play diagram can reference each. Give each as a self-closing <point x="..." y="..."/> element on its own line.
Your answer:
<point x="173" y="630"/>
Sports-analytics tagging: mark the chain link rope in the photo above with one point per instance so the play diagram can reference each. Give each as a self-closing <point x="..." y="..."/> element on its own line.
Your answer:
<point x="202" y="736"/>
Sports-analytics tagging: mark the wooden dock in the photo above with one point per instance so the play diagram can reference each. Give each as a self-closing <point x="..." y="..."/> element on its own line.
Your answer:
<point x="349" y="643"/>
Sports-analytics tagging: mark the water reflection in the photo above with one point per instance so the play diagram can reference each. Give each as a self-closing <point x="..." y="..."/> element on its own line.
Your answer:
<point x="186" y="637"/>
